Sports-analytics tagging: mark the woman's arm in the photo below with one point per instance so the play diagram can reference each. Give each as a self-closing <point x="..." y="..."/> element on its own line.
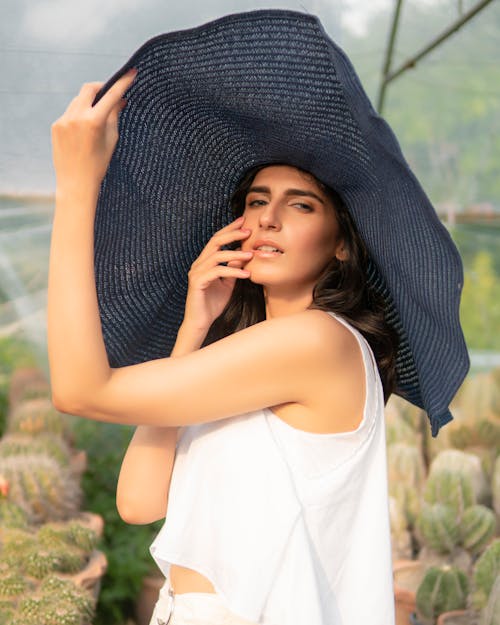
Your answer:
<point x="146" y="471"/>
<point x="83" y="141"/>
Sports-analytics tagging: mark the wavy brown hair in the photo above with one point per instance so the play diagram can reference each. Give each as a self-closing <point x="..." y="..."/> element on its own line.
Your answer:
<point x="342" y="287"/>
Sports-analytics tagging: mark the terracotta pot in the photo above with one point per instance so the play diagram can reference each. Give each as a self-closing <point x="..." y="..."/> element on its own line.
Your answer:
<point x="90" y="577"/>
<point x="455" y="617"/>
<point x="78" y="462"/>
<point x="147" y="598"/>
<point x="91" y="520"/>
<point x="407" y="577"/>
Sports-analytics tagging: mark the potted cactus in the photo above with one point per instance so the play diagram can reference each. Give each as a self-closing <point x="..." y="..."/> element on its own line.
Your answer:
<point x="451" y="528"/>
<point x="55" y="602"/>
<point x="35" y="563"/>
<point x="442" y="589"/>
<point x="480" y="605"/>
<point x="43" y="488"/>
<point x="33" y="416"/>
<point x="27" y="383"/>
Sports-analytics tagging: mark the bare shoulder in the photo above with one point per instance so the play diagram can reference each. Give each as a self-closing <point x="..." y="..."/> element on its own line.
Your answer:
<point x="281" y="360"/>
<point x="332" y="383"/>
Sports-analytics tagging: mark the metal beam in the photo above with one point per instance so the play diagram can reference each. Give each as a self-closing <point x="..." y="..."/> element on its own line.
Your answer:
<point x="412" y="61"/>
<point x="388" y="54"/>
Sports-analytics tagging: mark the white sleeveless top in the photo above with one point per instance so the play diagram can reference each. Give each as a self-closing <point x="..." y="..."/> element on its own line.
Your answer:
<point x="291" y="527"/>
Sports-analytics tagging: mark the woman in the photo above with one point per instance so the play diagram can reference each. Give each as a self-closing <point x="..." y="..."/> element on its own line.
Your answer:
<point x="321" y="251"/>
<point x="283" y="360"/>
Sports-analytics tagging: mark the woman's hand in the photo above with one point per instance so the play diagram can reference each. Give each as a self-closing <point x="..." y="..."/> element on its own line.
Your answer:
<point x="85" y="136"/>
<point x="210" y="284"/>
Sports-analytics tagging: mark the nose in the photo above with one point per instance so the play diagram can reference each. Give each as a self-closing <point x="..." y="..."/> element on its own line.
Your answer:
<point x="269" y="216"/>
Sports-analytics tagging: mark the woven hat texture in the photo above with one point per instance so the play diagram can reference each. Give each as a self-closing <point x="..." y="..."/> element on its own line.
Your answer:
<point x="259" y="87"/>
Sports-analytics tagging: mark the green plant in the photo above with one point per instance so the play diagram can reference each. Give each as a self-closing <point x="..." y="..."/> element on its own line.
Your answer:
<point x="4" y="403"/>
<point x="11" y="515"/>
<point x="72" y="533"/>
<point x="476" y="528"/>
<point x="126" y="546"/>
<point x="406" y="477"/>
<point x="437" y="526"/>
<point x="13" y="584"/>
<point x="41" y="487"/>
<point x="442" y="589"/>
<point x="38" y="415"/>
<point x="43" y="443"/>
<point x="451" y="488"/>
<point x="52" y="548"/>
<point x="491" y="613"/>
<point x="16" y="351"/>
<point x="486" y="571"/>
<point x="56" y="602"/>
<point x="495" y="486"/>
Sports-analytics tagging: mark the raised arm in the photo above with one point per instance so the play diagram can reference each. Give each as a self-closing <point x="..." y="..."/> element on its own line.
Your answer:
<point x="146" y="471"/>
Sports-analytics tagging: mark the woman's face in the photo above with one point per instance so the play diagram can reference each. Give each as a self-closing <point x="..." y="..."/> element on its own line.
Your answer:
<point x="287" y="207"/>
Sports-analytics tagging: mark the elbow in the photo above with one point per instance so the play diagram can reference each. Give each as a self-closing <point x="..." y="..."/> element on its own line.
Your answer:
<point x="134" y="514"/>
<point x="63" y="405"/>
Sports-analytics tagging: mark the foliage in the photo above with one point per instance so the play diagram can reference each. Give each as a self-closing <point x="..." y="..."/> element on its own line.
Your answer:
<point x="126" y="546"/>
<point x="480" y="308"/>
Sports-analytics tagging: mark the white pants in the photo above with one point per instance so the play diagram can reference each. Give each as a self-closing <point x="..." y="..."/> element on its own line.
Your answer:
<point x="192" y="608"/>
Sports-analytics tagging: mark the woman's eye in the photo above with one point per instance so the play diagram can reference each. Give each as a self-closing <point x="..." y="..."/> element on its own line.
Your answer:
<point x="253" y="202"/>
<point x="306" y="206"/>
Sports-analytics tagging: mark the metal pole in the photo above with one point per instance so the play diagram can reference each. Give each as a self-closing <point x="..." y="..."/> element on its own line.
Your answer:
<point x="388" y="55"/>
<point x="412" y="61"/>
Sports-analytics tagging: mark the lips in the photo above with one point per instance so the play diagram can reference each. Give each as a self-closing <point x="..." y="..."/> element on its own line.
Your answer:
<point x="269" y="242"/>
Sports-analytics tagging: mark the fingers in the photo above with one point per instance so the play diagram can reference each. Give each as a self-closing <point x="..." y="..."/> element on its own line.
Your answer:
<point x="113" y="96"/>
<point x="230" y="233"/>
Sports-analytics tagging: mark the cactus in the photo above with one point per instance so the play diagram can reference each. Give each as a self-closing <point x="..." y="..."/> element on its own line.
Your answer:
<point x="15" y="543"/>
<point x="44" y="443"/>
<point x="461" y="436"/>
<point x="470" y="464"/>
<point x="41" y="487"/>
<point x="477" y="527"/>
<point x="495" y="487"/>
<point x="400" y="536"/>
<point x="491" y="613"/>
<point x="13" y="584"/>
<point x="42" y="610"/>
<point x="58" y="602"/>
<point x="72" y="533"/>
<point x="36" y="416"/>
<point x="484" y="433"/>
<point x="486" y="571"/>
<point x="27" y="382"/>
<point x="406" y="474"/>
<point x="11" y="515"/>
<point x="442" y="589"/>
<point x="452" y="488"/>
<point x="7" y="609"/>
<point x="437" y="525"/>
<point x="66" y="590"/>
<point x="58" y="557"/>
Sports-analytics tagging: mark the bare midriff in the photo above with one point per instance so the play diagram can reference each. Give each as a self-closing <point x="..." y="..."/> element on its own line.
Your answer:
<point x="183" y="580"/>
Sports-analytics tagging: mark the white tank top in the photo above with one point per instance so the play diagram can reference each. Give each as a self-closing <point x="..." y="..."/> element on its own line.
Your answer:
<point x="291" y="527"/>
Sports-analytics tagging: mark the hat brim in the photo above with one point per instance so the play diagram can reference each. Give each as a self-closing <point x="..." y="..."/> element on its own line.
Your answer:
<point x="258" y="87"/>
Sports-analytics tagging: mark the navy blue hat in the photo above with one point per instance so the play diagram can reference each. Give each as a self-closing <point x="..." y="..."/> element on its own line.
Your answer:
<point x="258" y="87"/>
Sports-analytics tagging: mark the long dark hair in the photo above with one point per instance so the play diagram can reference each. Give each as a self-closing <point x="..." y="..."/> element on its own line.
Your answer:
<point x="342" y="288"/>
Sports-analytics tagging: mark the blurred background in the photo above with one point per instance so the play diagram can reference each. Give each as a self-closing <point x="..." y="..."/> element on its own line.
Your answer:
<point x="445" y="111"/>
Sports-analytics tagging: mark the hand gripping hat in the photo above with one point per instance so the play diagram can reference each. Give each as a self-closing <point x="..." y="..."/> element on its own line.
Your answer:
<point x="260" y="87"/>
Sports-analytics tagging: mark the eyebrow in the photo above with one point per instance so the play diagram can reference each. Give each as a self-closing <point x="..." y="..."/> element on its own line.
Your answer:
<point x="300" y="192"/>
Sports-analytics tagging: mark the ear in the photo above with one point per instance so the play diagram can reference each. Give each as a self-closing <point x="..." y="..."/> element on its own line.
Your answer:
<point x="340" y="251"/>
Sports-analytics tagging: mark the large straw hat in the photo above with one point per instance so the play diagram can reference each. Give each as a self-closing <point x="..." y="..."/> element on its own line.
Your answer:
<point x="258" y="87"/>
